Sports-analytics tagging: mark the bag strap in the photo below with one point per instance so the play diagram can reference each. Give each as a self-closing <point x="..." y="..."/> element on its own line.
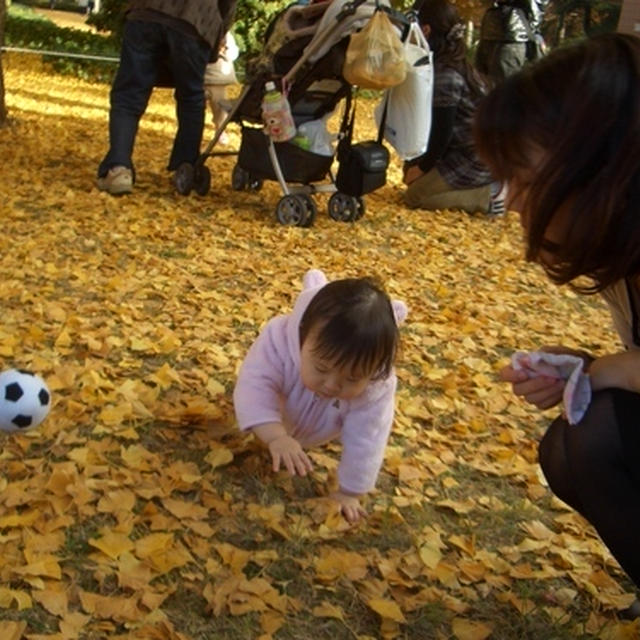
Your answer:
<point x="349" y="118"/>
<point x="346" y="128"/>
<point x="383" y="120"/>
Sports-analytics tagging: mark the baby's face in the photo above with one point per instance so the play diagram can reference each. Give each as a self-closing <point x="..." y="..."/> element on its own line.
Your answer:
<point x="327" y="380"/>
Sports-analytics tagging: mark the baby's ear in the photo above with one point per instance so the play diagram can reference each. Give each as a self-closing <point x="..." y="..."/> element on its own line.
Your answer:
<point x="400" y="311"/>
<point x="313" y="278"/>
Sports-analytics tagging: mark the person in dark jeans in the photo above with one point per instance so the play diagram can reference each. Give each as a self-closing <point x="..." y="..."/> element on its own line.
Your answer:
<point x="162" y="38"/>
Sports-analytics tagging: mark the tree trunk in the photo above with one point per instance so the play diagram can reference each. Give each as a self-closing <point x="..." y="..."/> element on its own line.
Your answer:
<point x="3" y="106"/>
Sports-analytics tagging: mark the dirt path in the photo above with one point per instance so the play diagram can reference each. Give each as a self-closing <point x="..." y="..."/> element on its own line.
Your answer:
<point x="71" y="19"/>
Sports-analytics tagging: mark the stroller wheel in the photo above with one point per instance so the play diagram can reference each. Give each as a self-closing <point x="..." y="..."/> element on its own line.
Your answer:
<point x="360" y="208"/>
<point x="202" y="180"/>
<point x="239" y="178"/>
<point x="311" y="210"/>
<point x="291" y="210"/>
<point x="343" y="208"/>
<point x="183" y="178"/>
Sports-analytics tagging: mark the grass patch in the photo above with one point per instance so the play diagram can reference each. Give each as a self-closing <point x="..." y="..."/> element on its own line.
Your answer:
<point x="24" y="28"/>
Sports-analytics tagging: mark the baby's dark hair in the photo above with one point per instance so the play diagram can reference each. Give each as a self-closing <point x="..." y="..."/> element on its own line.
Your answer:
<point x="356" y="326"/>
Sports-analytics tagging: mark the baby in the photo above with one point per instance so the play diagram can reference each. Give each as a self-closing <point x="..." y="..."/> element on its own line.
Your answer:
<point x="323" y="372"/>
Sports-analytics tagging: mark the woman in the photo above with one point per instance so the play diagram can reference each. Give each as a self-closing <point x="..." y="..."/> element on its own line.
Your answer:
<point x="565" y="136"/>
<point x="449" y="175"/>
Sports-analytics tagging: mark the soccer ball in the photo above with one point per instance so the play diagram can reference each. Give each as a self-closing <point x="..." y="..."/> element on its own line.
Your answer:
<point x="25" y="400"/>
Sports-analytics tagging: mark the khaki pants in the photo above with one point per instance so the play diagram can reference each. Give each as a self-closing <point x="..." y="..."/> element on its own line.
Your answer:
<point x="430" y="191"/>
<point x="215" y="94"/>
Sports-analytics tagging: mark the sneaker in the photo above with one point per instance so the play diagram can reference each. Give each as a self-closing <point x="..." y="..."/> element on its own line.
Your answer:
<point x="497" y="199"/>
<point x="632" y="612"/>
<point x="496" y="207"/>
<point x="118" y="180"/>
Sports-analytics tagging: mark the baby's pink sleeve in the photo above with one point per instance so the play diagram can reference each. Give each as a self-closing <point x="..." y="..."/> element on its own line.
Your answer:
<point x="365" y="434"/>
<point x="258" y="391"/>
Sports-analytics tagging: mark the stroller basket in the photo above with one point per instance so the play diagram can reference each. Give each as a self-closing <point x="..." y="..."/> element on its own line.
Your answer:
<point x="297" y="164"/>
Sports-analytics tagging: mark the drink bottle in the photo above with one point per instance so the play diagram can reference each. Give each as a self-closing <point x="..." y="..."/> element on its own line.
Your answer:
<point x="276" y="114"/>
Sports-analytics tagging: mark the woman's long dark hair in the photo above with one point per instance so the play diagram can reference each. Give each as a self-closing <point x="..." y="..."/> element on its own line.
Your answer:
<point x="578" y="111"/>
<point x="447" y="41"/>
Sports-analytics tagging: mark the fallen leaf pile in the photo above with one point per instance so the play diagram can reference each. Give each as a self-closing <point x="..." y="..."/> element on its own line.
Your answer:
<point x="137" y="511"/>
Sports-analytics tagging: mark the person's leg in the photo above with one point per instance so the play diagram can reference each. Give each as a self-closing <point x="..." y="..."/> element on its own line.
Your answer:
<point x="430" y="191"/>
<point x="188" y="59"/>
<point x="132" y="87"/>
<point x="512" y="56"/>
<point x="552" y="456"/>
<point x="592" y="468"/>
<point x="219" y="113"/>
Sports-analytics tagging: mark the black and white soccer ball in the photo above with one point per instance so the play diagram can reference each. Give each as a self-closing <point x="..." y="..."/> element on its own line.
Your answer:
<point x="25" y="400"/>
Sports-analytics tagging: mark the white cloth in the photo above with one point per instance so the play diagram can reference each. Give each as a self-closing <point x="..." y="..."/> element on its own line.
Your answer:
<point x="577" y="390"/>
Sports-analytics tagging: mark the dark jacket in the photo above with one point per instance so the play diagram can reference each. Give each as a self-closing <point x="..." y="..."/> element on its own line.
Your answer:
<point x="211" y="19"/>
<point x="513" y="20"/>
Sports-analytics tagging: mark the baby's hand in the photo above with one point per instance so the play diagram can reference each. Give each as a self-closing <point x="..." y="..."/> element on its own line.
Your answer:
<point x="350" y="506"/>
<point x="287" y="451"/>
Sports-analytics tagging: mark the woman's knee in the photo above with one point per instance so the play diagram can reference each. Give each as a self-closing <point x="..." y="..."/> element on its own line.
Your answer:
<point x="551" y="454"/>
<point x="595" y="442"/>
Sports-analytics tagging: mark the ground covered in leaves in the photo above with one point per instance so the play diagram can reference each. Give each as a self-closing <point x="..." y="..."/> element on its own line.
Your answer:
<point x="136" y="511"/>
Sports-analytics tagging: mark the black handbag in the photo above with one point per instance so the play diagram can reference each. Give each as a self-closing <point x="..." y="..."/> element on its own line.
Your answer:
<point x="362" y="167"/>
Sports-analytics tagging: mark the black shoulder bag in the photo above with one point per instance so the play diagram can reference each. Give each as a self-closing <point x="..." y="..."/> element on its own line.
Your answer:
<point x="362" y="166"/>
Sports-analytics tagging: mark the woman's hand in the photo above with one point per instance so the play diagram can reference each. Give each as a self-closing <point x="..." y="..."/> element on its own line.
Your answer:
<point x="288" y="452"/>
<point x="411" y="174"/>
<point x="542" y="391"/>
<point x="350" y="506"/>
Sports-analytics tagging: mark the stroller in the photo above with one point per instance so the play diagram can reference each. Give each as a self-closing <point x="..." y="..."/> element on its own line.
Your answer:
<point x="304" y="53"/>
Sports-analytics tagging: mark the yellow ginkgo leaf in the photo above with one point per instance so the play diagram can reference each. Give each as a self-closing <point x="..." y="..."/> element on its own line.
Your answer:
<point x="464" y="629"/>
<point x="387" y="609"/>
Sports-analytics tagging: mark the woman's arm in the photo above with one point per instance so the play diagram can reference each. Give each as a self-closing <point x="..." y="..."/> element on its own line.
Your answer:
<point x="441" y="132"/>
<point x="442" y="122"/>
<point x="616" y="370"/>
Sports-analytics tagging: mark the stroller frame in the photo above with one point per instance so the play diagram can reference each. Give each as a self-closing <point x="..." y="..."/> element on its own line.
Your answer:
<point x="296" y="170"/>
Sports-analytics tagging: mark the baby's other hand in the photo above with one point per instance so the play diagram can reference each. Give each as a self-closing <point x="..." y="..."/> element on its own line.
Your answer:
<point x="542" y="391"/>
<point x="350" y="506"/>
<point x="287" y="451"/>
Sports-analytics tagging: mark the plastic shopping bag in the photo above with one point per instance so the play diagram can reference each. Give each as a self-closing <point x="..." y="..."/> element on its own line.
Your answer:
<point x="375" y="57"/>
<point x="408" y="120"/>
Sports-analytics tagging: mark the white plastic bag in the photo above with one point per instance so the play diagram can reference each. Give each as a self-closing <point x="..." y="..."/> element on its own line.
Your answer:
<point x="408" y="122"/>
<point x="316" y="136"/>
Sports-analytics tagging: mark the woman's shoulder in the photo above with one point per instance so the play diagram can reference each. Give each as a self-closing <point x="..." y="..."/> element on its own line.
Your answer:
<point x="617" y="294"/>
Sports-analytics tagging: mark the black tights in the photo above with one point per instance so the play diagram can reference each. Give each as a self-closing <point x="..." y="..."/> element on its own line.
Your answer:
<point x="594" y="467"/>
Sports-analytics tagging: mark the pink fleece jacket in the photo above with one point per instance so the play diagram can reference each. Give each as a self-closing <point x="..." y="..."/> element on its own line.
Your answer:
<point x="269" y="389"/>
